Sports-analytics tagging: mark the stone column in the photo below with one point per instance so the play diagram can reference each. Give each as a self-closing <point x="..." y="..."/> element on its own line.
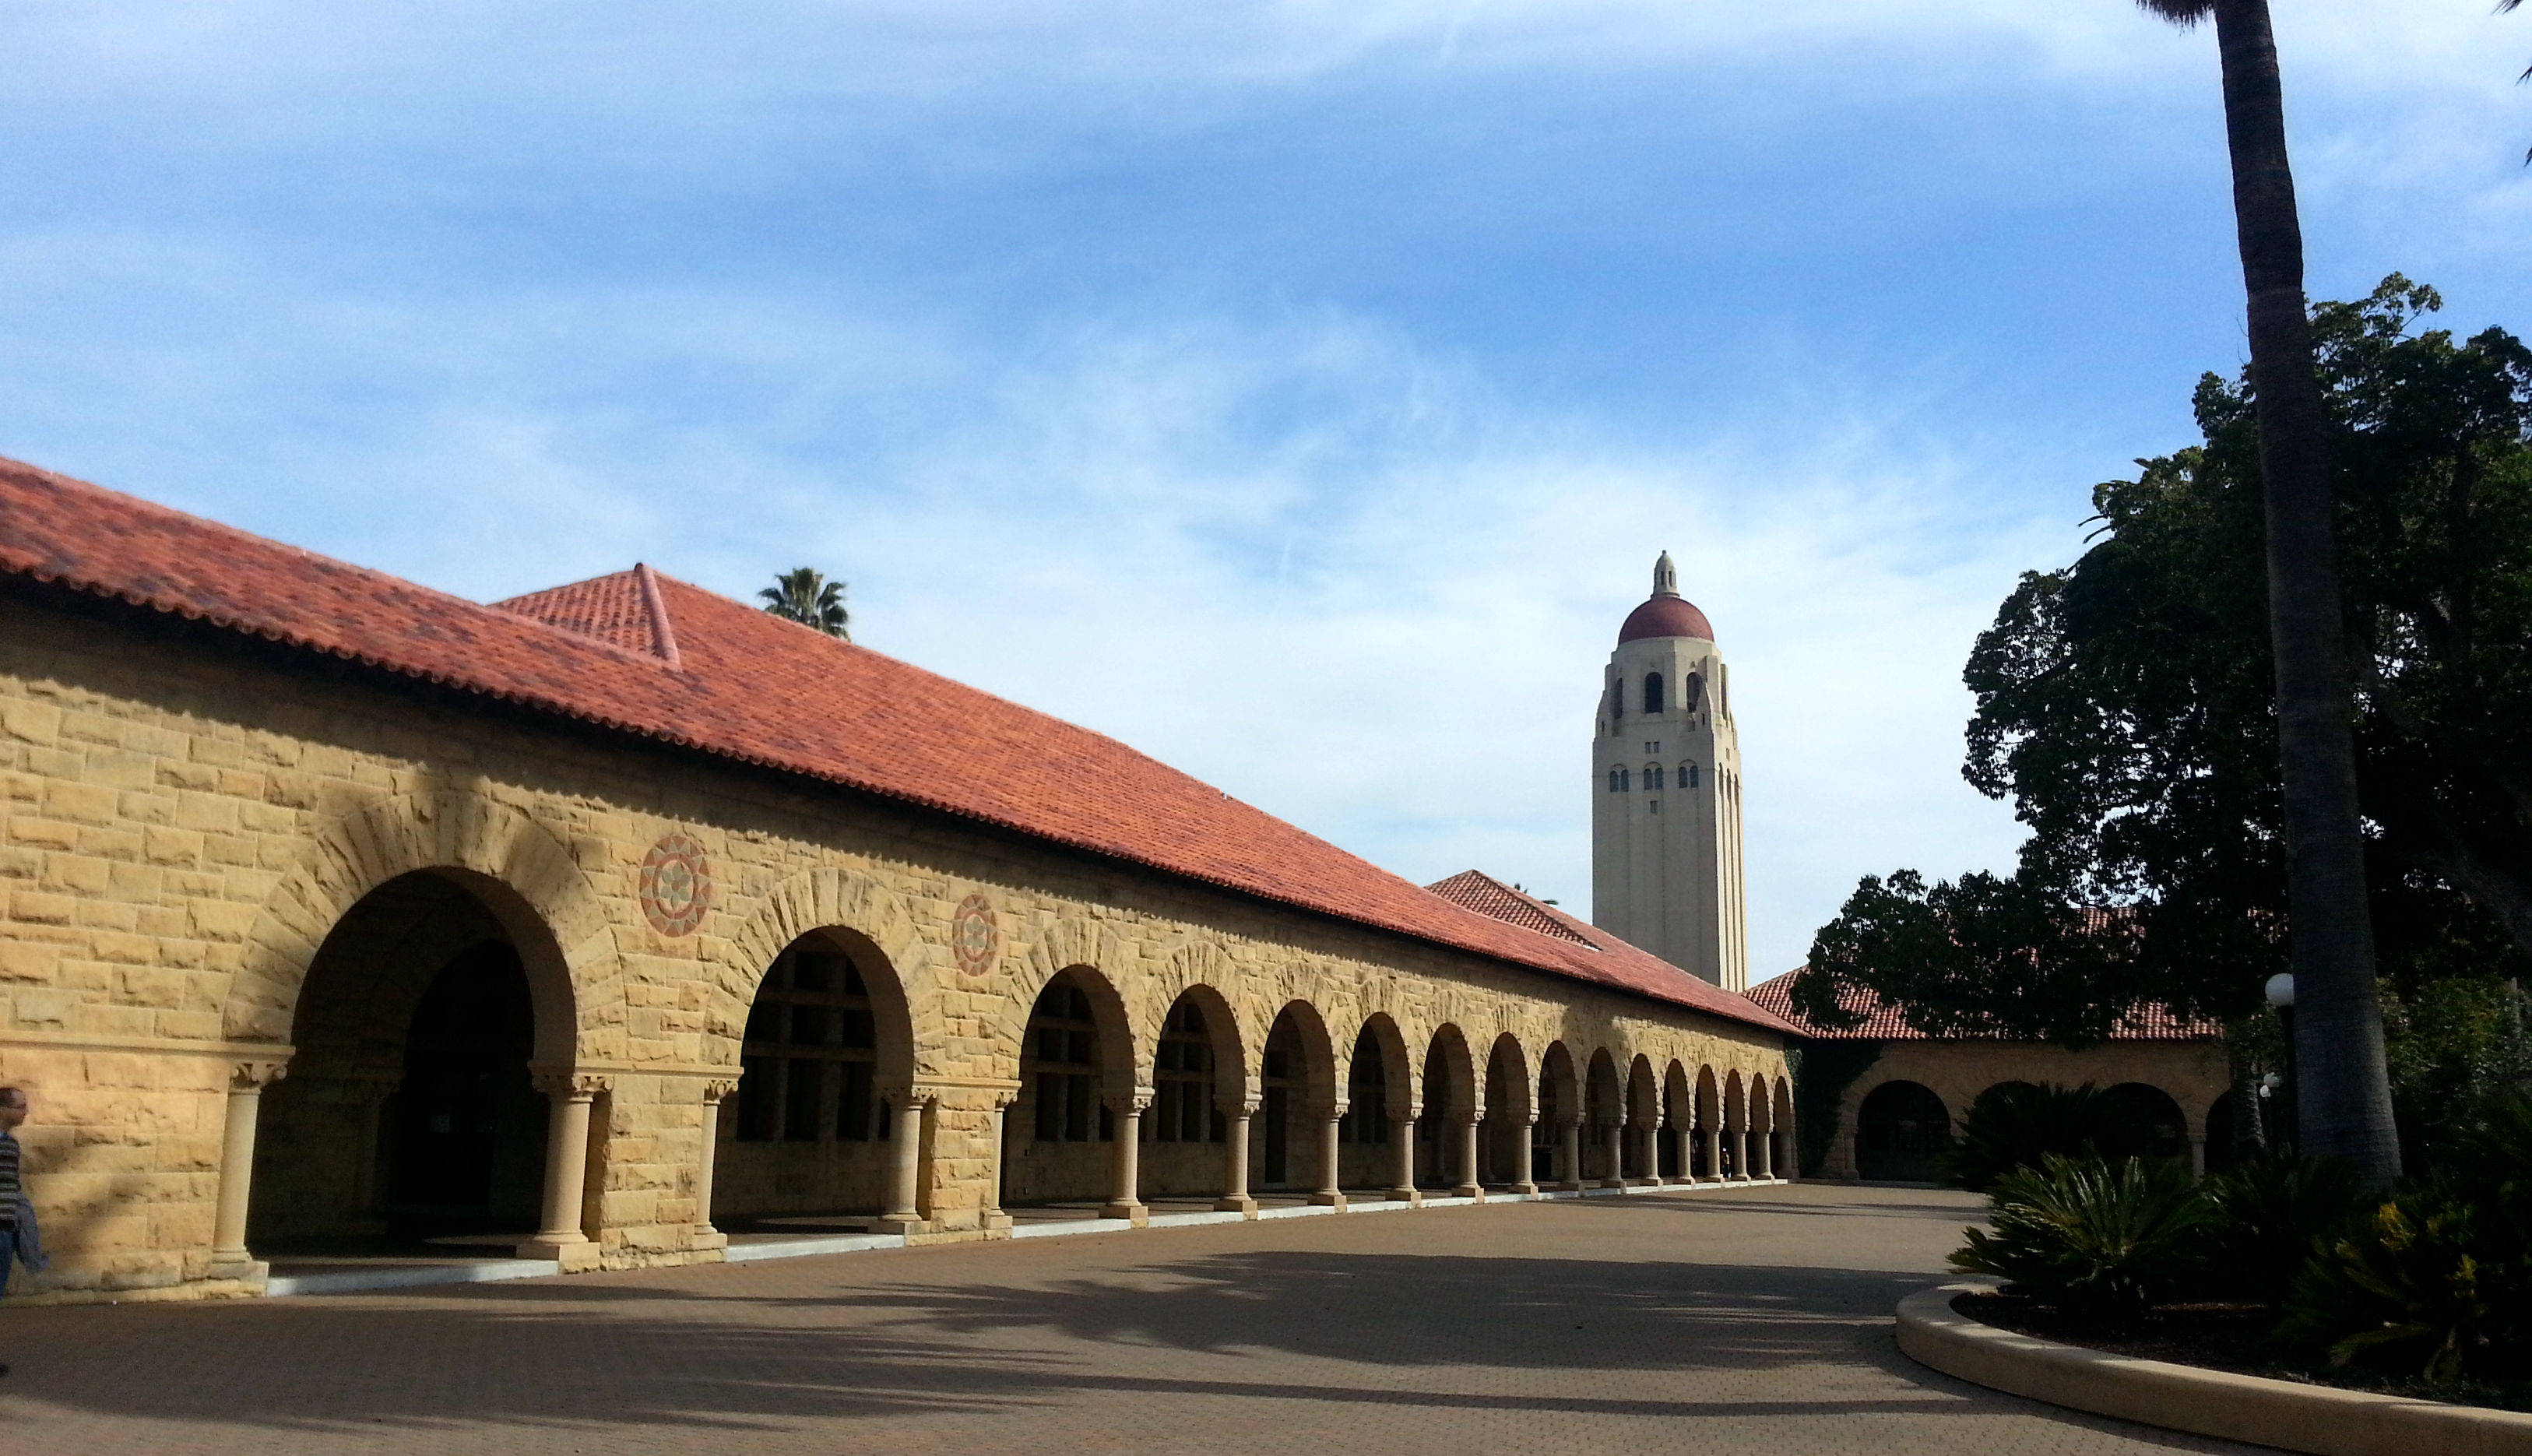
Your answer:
<point x="1748" y="1140"/>
<point x="1713" y="1154"/>
<point x="229" y="1256"/>
<point x="990" y="1215"/>
<point x="1568" y="1153"/>
<point x="569" y="1096"/>
<point x="1402" y="1146"/>
<point x="702" y="1235"/>
<point x="1234" y="1164"/>
<point x="1686" y="1138"/>
<point x="1126" y="1164"/>
<point x="2197" y="1156"/>
<point x="1525" y="1181"/>
<point x="1471" y="1185"/>
<point x="1763" y="1167"/>
<point x="1327" y="1195"/>
<point x="904" y="1215"/>
<point x="1616" y="1140"/>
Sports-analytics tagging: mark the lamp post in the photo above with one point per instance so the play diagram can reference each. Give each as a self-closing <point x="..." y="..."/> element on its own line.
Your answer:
<point x="2280" y="990"/>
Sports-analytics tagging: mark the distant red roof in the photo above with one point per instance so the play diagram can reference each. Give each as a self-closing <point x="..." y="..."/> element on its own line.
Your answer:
<point x="1665" y="617"/>
<point x="720" y="677"/>
<point x="1885" y="1021"/>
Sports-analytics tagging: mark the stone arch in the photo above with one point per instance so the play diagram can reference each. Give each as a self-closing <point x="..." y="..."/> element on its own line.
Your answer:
<point x="1448" y="1055"/>
<point x="1324" y="1089"/>
<point x="1780" y="1118"/>
<point x="1762" y="1104"/>
<point x="1453" y="1094"/>
<point x="1234" y="1075"/>
<point x="523" y="875"/>
<point x="1679" y="1121"/>
<point x="870" y="920"/>
<point x="1398" y="1069"/>
<point x="1069" y="943"/>
<point x="1901" y="1129"/>
<point x="1605" y="1094"/>
<point x="2159" y="1111"/>
<point x="1512" y="1100"/>
<point x="1560" y="1084"/>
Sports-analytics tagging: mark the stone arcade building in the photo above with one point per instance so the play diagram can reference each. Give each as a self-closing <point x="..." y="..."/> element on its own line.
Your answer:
<point x="337" y="907"/>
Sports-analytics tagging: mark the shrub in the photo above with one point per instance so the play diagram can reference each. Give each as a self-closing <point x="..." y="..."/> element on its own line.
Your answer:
<point x="2269" y="1218"/>
<point x="2090" y="1235"/>
<point x="2436" y="1278"/>
<point x="2019" y="1124"/>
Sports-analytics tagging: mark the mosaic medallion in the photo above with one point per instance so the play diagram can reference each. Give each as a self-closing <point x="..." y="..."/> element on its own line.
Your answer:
<point x="676" y="885"/>
<point x="975" y="938"/>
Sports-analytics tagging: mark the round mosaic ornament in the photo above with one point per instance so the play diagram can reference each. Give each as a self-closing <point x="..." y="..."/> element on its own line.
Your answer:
<point x="975" y="938"/>
<point x="676" y="885"/>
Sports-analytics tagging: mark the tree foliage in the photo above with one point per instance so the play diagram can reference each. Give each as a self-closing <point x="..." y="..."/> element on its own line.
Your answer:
<point x="2126" y="705"/>
<point x="803" y="595"/>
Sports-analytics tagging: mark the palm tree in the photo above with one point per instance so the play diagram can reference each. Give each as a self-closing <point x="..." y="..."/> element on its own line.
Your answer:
<point x="2344" y="1094"/>
<point x="803" y="595"/>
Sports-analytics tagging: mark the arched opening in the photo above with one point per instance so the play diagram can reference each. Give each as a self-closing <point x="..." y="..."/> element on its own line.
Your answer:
<point x="1692" y="692"/>
<point x="1653" y="693"/>
<point x="1506" y="1136"/>
<point x="1901" y="1132"/>
<point x="804" y="1141"/>
<point x="1707" y="1149"/>
<point x="1785" y="1156"/>
<point x="1450" y="1101"/>
<point x="1671" y="1157"/>
<point x="1604" y="1108"/>
<point x="1560" y="1107"/>
<point x="1198" y="1075"/>
<point x="1735" y="1126"/>
<point x="1377" y="1093"/>
<point x="1060" y="1133"/>
<point x="2165" y="1133"/>
<point x="2221" y="1151"/>
<point x="410" y="1113"/>
<point x="1297" y="1089"/>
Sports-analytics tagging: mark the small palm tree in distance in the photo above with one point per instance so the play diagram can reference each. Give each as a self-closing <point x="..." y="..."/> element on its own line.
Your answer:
<point x="803" y="595"/>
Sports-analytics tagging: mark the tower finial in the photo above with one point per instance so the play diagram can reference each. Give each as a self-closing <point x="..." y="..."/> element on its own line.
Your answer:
<point x="1665" y="577"/>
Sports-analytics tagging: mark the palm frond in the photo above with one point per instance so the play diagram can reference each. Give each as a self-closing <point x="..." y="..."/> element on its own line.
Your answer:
<point x="2181" y="12"/>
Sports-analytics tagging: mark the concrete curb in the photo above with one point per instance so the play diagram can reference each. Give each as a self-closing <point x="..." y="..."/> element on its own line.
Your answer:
<point x="2317" y="1419"/>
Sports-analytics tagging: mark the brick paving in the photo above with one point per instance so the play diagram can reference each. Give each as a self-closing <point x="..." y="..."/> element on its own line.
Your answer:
<point x="1746" y="1319"/>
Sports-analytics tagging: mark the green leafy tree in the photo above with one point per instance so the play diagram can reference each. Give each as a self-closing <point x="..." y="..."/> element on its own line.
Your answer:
<point x="803" y="595"/>
<point x="2126" y="705"/>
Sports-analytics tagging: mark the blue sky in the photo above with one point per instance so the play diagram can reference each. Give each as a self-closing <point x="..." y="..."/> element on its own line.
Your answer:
<point x="1299" y="391"/>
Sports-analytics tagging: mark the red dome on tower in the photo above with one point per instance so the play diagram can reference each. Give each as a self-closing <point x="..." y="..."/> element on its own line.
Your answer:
<point x="1666" y="613"/>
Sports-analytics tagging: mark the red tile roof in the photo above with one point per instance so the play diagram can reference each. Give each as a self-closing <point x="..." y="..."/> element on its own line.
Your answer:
<point x="1885" y="1021"/>
<point x="1489" y="897"/>
<point x="756" y="689"/>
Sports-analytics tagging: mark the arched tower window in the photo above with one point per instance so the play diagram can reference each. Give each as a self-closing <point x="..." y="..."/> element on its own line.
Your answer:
<point x="1652" y="776"/>
<point x="1692" y="692"/>
<point x="1617" y="780"/>
<point x="1688" y="776"/>
<point x="1652" y="692"/>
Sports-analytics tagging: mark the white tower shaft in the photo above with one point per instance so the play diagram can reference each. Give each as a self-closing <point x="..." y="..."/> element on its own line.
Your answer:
<point x="1666" y="860"/>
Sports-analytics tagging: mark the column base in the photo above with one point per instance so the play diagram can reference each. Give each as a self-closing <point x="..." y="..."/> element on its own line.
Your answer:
<point x="242" y="1268"/>
<point x="1328" y="1198"/>
<point x="1571" y="1185"/>
<point x="1617" y="1182"/>
<point x="1243" y="1206"/>
<point x="1411" y="1197"/>
<point x="576" y="1256"/>
<point x="1136" y="1214"/>
<point x="1474" y="1193"/>
<point x="1525" y="1188"/>
<point x="706" y="1239"/>
<point x="891" y="1223"/>
<point x="994" y="1221"/>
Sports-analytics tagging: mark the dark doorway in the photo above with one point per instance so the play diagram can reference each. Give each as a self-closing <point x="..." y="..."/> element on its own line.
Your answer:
<point x="467" y="1127"/>
<point x="1904" y="1128"/>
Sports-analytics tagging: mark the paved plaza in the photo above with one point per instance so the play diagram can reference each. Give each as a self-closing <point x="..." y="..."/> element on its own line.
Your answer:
<point x="1752" y="1319"/>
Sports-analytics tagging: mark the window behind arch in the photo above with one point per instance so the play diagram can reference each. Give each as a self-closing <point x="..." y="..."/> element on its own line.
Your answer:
<point x="1652" y="776"/>
<point x="1688" y="776"/>
<point x="810" y="1039"/>
<point x="1653" y="692"/>
<point x="1617" y="780"/>
<point x="1183" y="1074"/>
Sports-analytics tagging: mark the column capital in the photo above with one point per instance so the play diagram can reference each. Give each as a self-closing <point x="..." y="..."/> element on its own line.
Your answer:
<point x="254" y="1075"/>
<point x="1128" y="1104"/>
<point x="575" y="1086"/>
<point x="1239" y="1106"/>
<point x="717" y="1089"/>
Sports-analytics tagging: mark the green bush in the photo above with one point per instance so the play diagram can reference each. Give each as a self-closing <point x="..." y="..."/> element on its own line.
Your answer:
<point x="2019" y="1124"/>
<point x="2088" y="1236"/>
<point x="2435" y="1280"/>
<point x="2268" y="1219"/>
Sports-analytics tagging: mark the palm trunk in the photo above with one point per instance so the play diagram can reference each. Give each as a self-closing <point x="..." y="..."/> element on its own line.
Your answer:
<point x="2343" y="1096"/>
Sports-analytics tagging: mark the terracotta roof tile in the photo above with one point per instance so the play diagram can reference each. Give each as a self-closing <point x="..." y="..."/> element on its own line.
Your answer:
<point x="1492" y="898"/>
<point x="755" y="689"/>
<point x="1885" y="1021"/>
